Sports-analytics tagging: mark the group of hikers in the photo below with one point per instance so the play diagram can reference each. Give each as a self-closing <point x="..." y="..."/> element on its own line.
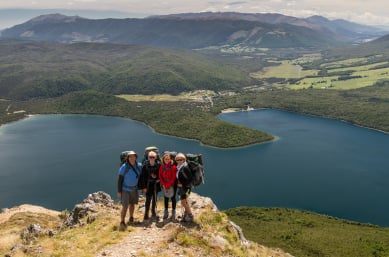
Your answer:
<point x="171" y="175"/>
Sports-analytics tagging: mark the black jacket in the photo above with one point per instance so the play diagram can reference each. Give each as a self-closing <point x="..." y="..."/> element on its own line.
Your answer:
<point x="147" y="181"/>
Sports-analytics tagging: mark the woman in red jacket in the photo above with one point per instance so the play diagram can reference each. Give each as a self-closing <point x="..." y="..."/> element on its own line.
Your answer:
<point x="167" y="178"/>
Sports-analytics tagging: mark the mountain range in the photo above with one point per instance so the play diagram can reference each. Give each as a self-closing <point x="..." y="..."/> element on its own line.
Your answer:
<point x="197" y="30"/>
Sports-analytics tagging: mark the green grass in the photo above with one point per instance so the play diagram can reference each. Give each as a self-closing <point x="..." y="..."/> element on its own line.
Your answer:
<point x="345" y="62"/>
<point x="285" y="70"/>
<point x="304" y="234"/>
<point x="366" y="77"/>
<point x="342" y="74"/>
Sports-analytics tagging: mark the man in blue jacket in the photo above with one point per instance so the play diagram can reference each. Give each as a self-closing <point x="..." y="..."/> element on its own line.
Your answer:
<point x="129" y="174"/>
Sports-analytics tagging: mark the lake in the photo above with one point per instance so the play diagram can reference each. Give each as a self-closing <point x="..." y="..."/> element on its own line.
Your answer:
<point x="316" y="164"/>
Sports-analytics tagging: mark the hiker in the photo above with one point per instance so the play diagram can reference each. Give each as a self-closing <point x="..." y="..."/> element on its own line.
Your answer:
<point x="184" y="179"/>
<point x="167" y="178"/>
<point x="149" y="183"/>
<point x="129" y="174"/>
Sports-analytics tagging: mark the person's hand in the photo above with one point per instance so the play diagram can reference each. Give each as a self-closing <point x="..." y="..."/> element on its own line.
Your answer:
<point x="144" y="190"/>
<point x="179" y="184"/>
<point x="119" y="195"/>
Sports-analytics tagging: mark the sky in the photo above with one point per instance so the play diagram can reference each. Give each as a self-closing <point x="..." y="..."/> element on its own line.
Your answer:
<point x="369" y="12"/>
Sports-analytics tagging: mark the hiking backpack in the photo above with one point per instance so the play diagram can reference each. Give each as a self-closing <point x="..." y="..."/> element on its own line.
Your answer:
<point x="123" y="157"/>
<point x="146" y="154"/>
<point x="195" y="164"/>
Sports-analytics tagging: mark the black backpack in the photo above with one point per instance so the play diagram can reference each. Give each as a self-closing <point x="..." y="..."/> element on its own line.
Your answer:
<point x="195" y="164"/>
<point x="123" y="157"/>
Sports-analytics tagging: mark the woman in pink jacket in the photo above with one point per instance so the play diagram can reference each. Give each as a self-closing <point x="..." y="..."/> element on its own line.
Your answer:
<point x="167" y="178"/>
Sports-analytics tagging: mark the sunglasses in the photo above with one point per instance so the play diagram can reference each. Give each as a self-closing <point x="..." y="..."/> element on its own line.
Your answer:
<point x="179" y="160"/>
<point x="151" y="157"/>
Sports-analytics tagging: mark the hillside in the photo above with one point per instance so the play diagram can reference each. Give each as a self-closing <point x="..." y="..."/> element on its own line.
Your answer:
<point x="303" y="233"/>
<point x="375" y="49"/>
<point x="92" y="229"/>
<point x="39" y="69"/>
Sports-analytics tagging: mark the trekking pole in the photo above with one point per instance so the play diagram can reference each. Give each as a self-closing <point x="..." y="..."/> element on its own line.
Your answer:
<point x="155" y="196"/>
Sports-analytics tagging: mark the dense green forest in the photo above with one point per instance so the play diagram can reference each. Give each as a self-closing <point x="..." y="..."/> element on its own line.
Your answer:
<point x="44" y="70"/>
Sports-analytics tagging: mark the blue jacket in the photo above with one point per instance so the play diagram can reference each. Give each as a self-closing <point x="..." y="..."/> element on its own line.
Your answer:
<point x="129" y="177"/>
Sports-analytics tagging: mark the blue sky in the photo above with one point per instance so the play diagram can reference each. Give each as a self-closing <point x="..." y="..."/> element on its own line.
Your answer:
<point x="372" y="12"/>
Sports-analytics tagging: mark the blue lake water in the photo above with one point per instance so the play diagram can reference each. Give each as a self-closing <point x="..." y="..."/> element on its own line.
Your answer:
<point x="316" y="164"/>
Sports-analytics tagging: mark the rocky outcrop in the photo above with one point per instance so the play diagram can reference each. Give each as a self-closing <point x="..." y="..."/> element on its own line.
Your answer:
<point x="97" y="219"/>
<point x="88" y="208"/>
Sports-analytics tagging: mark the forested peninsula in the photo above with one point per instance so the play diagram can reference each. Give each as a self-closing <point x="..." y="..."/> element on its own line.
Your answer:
<point x="181" y="119"/>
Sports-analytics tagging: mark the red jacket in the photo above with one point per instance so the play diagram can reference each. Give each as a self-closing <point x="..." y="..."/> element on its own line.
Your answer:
<point x="167" y="175"/>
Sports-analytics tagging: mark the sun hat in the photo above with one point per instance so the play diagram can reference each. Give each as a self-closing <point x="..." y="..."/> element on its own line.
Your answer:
<point x="132" y="153"/>
<point x="180" y="156"/>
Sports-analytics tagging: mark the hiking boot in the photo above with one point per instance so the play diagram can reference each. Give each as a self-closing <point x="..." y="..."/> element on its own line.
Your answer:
<point x="154" y="216"/>
<point x="146" y="217"/>
<point x="188" y="217"/>
<point x="165" y="214"/>
<point x="122" y="225"/>
<point x="173" y="217"/>
<point x="183" y="218"/>
<point x="131" y="220"/>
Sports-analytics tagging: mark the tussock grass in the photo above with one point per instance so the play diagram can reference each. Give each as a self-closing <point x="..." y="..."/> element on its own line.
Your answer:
<point x="82" y="241"/>
<point x="11" y="230"/>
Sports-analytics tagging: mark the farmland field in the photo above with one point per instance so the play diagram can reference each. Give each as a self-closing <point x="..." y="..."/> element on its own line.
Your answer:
<point x="341" y="75"/>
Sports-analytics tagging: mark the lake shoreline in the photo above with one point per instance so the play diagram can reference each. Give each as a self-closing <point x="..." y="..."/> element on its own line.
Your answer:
<point x="224" y="111"/>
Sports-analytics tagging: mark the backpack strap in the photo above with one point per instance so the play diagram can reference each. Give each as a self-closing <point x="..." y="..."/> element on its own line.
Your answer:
<point x="133" y="168"/>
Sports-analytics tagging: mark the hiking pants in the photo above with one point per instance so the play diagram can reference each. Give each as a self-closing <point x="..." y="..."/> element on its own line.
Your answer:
<point x="174" y="200"/>
<point x="153" y="200"/>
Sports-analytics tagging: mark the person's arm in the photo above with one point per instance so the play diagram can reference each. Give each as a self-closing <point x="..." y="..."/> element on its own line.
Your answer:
<point x="143" y="178"/>
<point x="160" y="177"/>
<point x="120" y="185"/>
<point x="188" y="175"/>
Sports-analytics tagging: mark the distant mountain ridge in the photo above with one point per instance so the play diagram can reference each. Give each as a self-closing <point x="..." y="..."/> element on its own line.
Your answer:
<point x="13" y="16"/>
<point x="195" y="30"/>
